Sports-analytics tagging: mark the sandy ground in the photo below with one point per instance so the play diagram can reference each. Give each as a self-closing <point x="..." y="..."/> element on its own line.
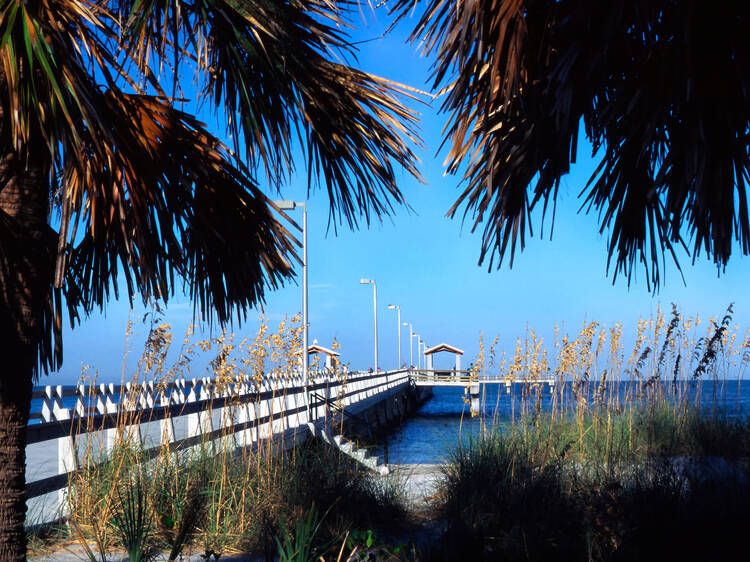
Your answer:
<point x="419" y="482"/>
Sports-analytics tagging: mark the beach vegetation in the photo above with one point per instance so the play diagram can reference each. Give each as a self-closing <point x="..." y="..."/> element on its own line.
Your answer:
<point x="628" y="452"/>
<point x="229" y="503"/>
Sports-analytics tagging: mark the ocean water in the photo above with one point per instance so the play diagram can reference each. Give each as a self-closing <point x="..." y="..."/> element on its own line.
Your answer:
<point x="445" y="420"/>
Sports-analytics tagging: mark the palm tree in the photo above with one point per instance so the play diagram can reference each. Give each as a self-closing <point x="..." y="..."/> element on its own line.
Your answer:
<point x="104" y="175"/>
<point x="660" y="87"/>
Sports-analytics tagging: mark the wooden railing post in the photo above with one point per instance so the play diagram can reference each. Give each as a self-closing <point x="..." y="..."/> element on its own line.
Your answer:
<point x="244" y="438"/>
<point x="193" y="419"/>
<point x="228" y="415"/>
<point x="258" y="388"/>
<point x="262" y="410"/>
<point x="105" y="404"/>
<point x="169" y="396"/>
<point x="207" y="394"/>
<point x="316" y="410"/>
<point x="280" y="403"/>
<point x="66" y="454"/>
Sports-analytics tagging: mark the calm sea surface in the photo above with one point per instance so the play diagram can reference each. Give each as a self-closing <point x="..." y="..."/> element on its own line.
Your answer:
<point x="430" y="435"/>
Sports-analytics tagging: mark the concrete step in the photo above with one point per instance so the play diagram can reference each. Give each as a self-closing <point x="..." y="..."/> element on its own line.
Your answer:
<point x="363" y="456"/>
<point x="375" y="464"/>
<point x="360" y="454"/>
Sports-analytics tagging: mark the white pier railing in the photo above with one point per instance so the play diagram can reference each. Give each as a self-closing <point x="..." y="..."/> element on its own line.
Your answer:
<point x="183" y="413"/>
<point x="452" y="377"/>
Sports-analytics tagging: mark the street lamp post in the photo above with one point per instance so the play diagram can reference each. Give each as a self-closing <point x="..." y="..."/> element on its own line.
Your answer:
<point x="416" y="335"/>
<point x="411" y="347"/>
<point x="398" y="308"/>
<point x="375" y="309"/>
<point x="289" y="205"/>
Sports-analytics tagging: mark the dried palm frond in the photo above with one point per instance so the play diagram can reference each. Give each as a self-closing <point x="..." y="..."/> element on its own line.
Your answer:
<point x="659" y="86"/>
<point x="270" y="69"/>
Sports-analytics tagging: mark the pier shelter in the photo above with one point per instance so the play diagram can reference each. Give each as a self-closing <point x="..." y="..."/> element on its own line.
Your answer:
<point x="329" y="353"/>
<point x="440" y="348"/>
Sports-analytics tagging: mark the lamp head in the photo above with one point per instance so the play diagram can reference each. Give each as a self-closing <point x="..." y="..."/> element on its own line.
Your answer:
<point x="365" y="281"/>
<point x="393" y="306"/>
<point x="285" y="204"/>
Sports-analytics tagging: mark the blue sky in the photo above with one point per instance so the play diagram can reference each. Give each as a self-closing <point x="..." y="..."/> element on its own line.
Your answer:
<point x="427" y="264"/>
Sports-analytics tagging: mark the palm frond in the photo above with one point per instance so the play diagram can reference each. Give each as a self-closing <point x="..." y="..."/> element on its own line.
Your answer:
<point x="270" y="69"/>
<point x="164" y="198"/>
<point x="660" y="88"/>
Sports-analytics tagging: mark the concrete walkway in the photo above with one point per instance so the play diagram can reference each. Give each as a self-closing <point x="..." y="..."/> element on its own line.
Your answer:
<point x="420" y="482"/>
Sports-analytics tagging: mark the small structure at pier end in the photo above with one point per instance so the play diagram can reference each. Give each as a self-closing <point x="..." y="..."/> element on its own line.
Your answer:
<point x="440" y="348"/>
<point x="331" y="355"/>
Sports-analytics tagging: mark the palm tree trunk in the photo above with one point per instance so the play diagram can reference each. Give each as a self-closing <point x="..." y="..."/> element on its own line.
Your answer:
<point x="15" y="399"/>
<point x="26" y="274"/>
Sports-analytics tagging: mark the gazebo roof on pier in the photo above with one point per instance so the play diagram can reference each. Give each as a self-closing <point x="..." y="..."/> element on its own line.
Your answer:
<point x="443" y="347"/>
<point x="317" y="348"/>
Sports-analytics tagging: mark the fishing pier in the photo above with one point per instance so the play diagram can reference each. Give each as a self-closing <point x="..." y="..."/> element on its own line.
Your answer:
<point x="470" y="379"/>
<point x="241" y="415"/>
<point x="286" y="408"/>
<point x="472" y="382"/>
